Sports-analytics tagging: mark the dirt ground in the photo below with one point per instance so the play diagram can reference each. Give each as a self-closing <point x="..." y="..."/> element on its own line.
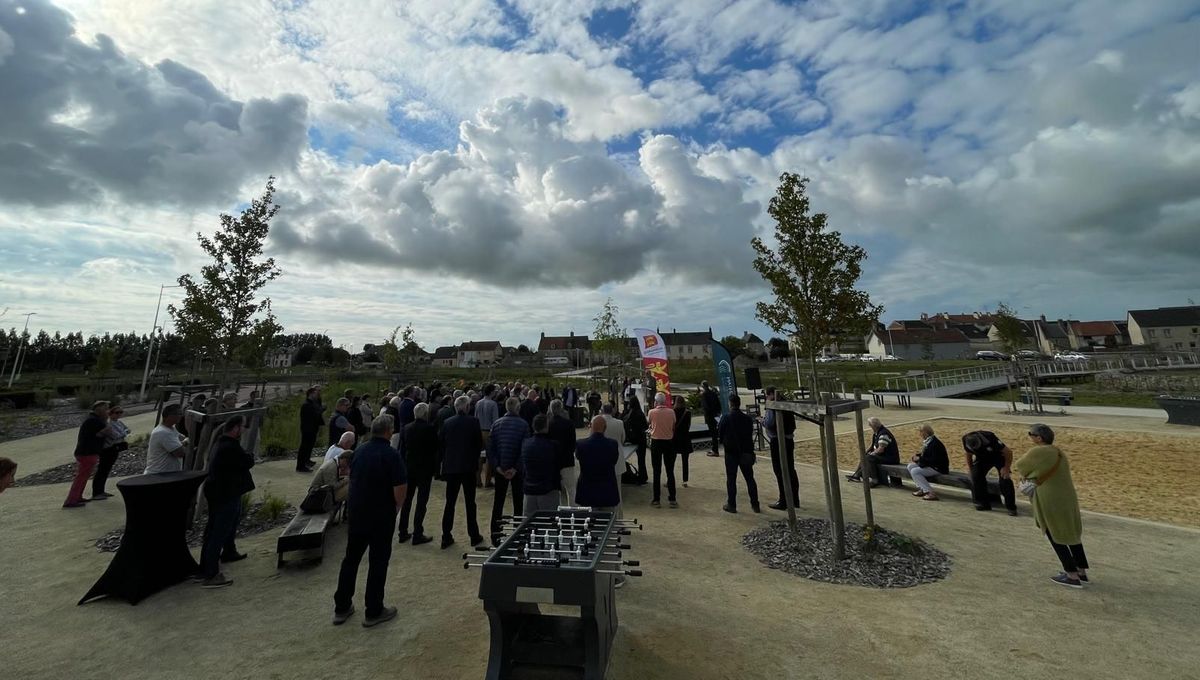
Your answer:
<point x="704" y="609"/>
<point x="1133" y="474"/>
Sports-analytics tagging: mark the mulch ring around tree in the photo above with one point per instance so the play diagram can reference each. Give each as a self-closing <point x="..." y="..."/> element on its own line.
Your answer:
<point x="253" y="522"/>
<point x="131" y="461"/>
<point x="890" y="560"/>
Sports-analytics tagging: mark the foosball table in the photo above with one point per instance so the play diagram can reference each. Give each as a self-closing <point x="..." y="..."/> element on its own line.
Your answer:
<point x="571" y="556"/>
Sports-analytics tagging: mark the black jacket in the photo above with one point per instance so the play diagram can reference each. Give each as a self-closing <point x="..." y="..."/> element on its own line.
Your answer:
<point x="636" y="426"/>
<point x="528" y="411"/>
<point x="421" y="449"/>
<point x="597" y="485"/>
<point x="539" y="465"/>
<point x="310" y="417"/>
<point x="228" y="471"/>
<point x="933" y="455"/>
<point x="681" y="438"/>
<point x="736" y="432"/>
<point x="460" y="441"/>
<point x="563" y="434"/>
<point x="711" y="403"/>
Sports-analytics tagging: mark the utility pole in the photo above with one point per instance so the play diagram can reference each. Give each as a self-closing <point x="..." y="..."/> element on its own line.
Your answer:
<point x="20" y="351"/>
<point x="150" y="349"/>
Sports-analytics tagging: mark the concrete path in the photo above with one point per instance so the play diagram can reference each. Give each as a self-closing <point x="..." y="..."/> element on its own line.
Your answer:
<point x="34" y="454"/>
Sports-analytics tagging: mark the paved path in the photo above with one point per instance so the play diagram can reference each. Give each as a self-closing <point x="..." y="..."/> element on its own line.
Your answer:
<point x="1119" y="411"/>
<point x="34" y="454"/>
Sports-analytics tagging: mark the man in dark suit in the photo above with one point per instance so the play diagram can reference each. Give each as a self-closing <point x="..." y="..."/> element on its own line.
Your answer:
<point x="710" y="401"/>
<point x="378" y="487"/>
<point x="597" y="486"/>
<point x="310" y="423"/>
<point x="420" y="456"/>
<point x="736" y="432"/>
<point x="461" y="441"/>
<point x="530" y="408"/>
<point x="228" y="479"/>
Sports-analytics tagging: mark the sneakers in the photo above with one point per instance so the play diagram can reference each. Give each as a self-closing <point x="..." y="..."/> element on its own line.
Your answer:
<point x="1083" y="578"/>
<point x="1064" y="580"/>
<point x="729" y="508"/>
<point x="219" y="580"/>
<point x="340" y="617"/>
<point x="778" y="505"/>
<point x="387" y="614"/>
<point x="653" y="504"/>
<point x="673" y="504"/>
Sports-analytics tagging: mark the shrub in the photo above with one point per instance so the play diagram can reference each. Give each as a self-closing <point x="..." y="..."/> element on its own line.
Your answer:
<point x="272" y="506"/>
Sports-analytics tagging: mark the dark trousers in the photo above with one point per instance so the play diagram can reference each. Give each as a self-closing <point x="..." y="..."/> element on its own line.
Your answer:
<point x="877" y="472"/>
<point x="1071" y="556"/>
<point x="379" y="541"/>
<point x="223" y="516"/>
<point x="662" y="451"/>
<point x="643" y="473"/>
<point x="777" y="465"/>
<point x="108" y="457"/>
<point x="732" y="465"/>
<point x="454" y="484"/>
<point x="683" y="456"/>
<point x="419" y="486"/>
<point x="304" y="454"/>
<point x="503" y="486"/>
<point x="979" y="486"/>
<point x="711" y="422"/>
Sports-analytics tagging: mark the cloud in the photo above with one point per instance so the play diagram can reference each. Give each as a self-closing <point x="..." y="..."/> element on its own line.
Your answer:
<point x="83" y="120"/>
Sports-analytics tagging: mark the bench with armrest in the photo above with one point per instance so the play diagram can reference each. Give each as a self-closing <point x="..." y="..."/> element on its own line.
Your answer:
<point x="306" y="533"/>
<point x="952" y="478"/>
<point x="1062" y="395"/>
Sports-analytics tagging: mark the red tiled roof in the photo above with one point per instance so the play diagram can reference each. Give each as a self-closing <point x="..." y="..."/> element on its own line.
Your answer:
<point x="1093" y="328"/>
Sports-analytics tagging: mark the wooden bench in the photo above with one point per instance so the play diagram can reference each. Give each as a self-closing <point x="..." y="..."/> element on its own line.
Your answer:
<point x="902" y="397"/>
<point x="306" y="532"/>
<point x="952" y="478"/>
<point x="1062" y="395"/>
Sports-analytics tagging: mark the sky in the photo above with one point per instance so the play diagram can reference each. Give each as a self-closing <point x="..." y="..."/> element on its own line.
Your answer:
<point x="494" y="169"/>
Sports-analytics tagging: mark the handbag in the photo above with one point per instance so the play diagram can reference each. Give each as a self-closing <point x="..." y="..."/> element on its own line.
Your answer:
<point x="1029" y="487"/>
<point x="318" y="500"/>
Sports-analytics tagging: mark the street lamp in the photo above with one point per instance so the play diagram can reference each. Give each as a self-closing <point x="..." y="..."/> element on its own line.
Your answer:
<point x="20" y="351"/>
<point x="150" y="350"/>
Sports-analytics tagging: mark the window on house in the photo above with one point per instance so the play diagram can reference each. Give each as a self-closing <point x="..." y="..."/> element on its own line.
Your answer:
<point x="1166" y="332"/>
<point x="1179" y="345"/>
<point x="1153" y="333"/>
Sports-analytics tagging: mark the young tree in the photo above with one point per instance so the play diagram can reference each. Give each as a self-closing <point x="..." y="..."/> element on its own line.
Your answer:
<point x="812" y="275"/>
<point x="400" y="351"/>
<point x="221" y="311"/>
<point x="105" y="360"/>
<point x="608" y="338"/>
<point x="927" y="348"/>
<point x="735" y="345"/>
<point x="1009" y="329"/>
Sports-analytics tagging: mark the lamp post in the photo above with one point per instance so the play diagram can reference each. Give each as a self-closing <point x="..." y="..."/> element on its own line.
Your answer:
<point x="150" y="350"/>
<point x="20" y="351"/>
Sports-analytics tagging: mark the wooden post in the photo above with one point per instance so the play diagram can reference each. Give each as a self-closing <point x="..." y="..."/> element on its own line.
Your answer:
<point x="785" y="474"/>
<point x="862" y="456"/>
<point x="836" y="520"/>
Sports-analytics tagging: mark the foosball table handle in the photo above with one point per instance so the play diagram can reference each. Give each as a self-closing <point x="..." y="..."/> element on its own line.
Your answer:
<point x="633" y="572"/>
<point x="632" y="563"/>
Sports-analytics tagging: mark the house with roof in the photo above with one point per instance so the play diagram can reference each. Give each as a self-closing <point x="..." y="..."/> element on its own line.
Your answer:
<point x="485" y="353"/>
<point x="1098" y="334"/>
<point x="755" y="346"/>
<point x="1053" y="336"/>
<point x="1166" y="328"/>
<point x="921" y="343"/>
<point x="576" y="348"/>
<point x="1029" y="336"/>
<point x="688" y="344"/>
<point x="445" y="357"/>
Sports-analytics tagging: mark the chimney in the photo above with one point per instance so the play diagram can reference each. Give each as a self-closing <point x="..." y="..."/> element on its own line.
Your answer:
<point x="924" y="316"/>
<point x="1043" y="318"/>
<point x="572" y="334"/>
<point x="543" y="334"/>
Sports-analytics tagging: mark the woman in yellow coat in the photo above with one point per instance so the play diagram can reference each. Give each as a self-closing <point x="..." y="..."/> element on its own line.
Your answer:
<point x="1055" y="505"/>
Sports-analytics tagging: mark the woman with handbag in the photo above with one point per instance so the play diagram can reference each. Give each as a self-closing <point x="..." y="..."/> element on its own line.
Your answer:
<point x="1047" y="481"/>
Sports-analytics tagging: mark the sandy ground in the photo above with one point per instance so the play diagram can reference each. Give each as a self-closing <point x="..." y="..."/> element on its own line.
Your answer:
<point x="1132" y="474"/>
<point x="705" y="608"/>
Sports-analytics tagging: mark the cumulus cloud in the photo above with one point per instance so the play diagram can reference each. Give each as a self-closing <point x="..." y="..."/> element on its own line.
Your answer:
<point x="81" y="120"/>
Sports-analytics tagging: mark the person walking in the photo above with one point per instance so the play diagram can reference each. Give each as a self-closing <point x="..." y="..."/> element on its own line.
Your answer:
<point x="681" y="440"/>
<point x="662" y="449"/>
<point x="540" y="468"/>
<point x="460" y="441"/>
<point x="504" y="454"/>
<point x="227" y="481"/>
<point x="985" y="451"/>
<point x="311" y="422"/>
<point x="114" y="444"/>
<point x="378" y="487"/>
<point x="930" y="461"/>
<point x="783" y="454"/>
<point x="1055" y="504"/>
<point x="421" y="448"/>
<point x="636" y="428"/>
<point x="736" y="432"/>
<point x="89" y="443"/>
<point x="710" y="402"/>
<point x="562" y="433"/>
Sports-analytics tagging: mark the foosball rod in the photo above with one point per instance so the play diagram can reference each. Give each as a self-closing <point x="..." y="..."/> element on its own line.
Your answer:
<point x="627" y="572"/>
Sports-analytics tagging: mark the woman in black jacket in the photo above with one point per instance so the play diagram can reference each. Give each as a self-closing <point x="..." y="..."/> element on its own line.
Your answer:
<point x="635" y="433"/>
<point x="930" y="461"/>
<point x="681" y="440"/>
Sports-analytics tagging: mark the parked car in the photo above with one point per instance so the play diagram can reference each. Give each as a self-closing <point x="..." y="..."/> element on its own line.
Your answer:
<point x="1071" y="356"/>
<point x="989" y="355"/>
<point x="868" y="357"/>
<point x="891" y="358"/>
<point x="827" y="359"/>
<point x="1030" y="354"/>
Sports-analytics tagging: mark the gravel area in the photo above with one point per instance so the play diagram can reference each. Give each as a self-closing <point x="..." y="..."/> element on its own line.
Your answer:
<point x="892" y="561"/>
<point x="252" y="523"/>
<point x="62" y="415"/>
<point x="130" y="462"/>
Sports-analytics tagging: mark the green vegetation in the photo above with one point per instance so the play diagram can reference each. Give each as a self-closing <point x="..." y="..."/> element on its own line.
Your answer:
<point x="272" y="505"/>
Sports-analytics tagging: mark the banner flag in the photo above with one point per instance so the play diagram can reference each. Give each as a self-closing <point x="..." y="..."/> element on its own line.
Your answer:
<point x="723" y="365"/>
<point x="654" y="358"/>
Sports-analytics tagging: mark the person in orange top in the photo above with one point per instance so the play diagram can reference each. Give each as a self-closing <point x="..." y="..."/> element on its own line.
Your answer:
<point x="662" y="431"/>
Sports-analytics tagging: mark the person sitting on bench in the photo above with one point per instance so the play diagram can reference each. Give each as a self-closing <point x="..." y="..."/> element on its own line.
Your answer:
<point x="931" y="461"/>
<point x="884" y="449"/>
<point x="344" y="443"/>
<point x="335" y="473"/>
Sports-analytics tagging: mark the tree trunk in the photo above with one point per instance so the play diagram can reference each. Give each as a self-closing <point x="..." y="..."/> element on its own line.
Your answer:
<point x="862" y="458"/>
<point x="829" y="463"/>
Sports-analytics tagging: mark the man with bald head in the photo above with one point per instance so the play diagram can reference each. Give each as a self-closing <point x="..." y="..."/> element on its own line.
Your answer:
<point x="598" y="455"/>
<point x="344" y="443"/>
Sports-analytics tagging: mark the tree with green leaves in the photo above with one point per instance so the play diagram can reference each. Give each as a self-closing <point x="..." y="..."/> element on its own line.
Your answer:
<point x="1009" y="329"/>
<point x="608" y="337"/>
<point x="735" y="345"/>
<point x="400" y="351"/>
<point x="221" y="315"/>
<point x="778" y="348"/>
<point x="812" y="274"/>
<point x="105" y="360"/>
<point x="927" y="352"/>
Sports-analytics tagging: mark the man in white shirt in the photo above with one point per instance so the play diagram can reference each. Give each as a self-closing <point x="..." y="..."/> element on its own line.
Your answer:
<point x="345" y="443"/>
<point x="166" y="449"/>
